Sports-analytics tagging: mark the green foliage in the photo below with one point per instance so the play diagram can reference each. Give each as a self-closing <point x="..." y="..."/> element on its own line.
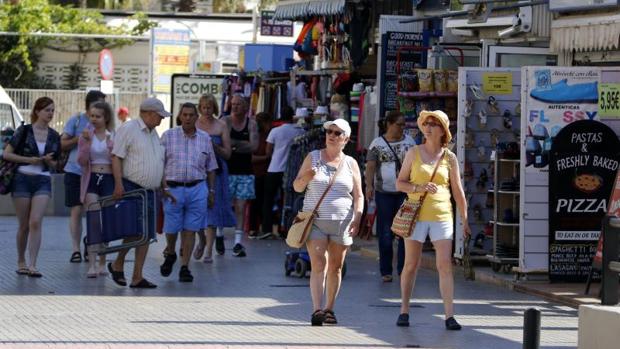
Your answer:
<point x="19" y="54"/>
<point x="229" y="6"/>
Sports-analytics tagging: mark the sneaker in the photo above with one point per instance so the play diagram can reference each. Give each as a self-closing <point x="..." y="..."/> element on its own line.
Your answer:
<point x="166" y="268"/>
<point x="403" y="320"/>
<point x="452" y="325"/>
<point x="253" y="235"/>
<point x="562" y="92"/>
<point x="239" y="250"/>
<point x="263" y="235"/>
<point x="219" y="245"/>
<point x="185" y="275"/>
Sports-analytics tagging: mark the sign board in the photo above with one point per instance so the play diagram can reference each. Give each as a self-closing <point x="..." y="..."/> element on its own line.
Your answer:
<point x="106" y="86"/>
<point x="189" y="87"/>
<point x="609" y="100"/>
<point x="106" y="64"/>
<point x="564" y="5"/>
<point x="497" y="83"/>
<point x="170" y="49"/>
<point x="556" y="97"/>
<point x="390" y="44"/>
<point x="583" y="165"/>
<point x="271" y="27"/>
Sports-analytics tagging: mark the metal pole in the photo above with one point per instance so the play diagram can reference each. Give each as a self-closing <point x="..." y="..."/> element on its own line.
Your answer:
<point x="531" y="329"/>
<point x="609" y="283"/>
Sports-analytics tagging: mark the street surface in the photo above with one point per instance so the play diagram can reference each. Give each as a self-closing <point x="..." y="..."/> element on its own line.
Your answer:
<point x="247" y="302"/>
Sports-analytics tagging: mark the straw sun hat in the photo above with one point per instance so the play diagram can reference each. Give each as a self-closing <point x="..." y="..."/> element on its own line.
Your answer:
<point x="441" y="117"/>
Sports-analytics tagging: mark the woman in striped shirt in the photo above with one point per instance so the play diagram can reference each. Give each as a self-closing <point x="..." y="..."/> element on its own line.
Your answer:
<point x="338" y="217"/>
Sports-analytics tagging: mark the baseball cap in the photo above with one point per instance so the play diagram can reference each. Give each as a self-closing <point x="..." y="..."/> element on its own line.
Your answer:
<point x="342" y="124"/>
<point x="154" y="104"/>
<point x="123" y="110"/>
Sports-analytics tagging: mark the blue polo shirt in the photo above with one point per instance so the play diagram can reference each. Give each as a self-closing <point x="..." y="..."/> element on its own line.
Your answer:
<point x="74" y="127"/>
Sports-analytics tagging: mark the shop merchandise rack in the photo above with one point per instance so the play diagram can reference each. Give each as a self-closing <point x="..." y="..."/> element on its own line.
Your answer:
<point x="488" y="154"/>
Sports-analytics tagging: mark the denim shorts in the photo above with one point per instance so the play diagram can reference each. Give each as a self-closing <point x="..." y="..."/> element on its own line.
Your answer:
<point x="27" y="186"/>
<point x="241" y="187"/>
<point x="189" y="211"/>
<point x="101" y="184"/>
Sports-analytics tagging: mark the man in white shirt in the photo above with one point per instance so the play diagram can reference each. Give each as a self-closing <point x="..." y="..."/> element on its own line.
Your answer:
<point x="278" y="143"/>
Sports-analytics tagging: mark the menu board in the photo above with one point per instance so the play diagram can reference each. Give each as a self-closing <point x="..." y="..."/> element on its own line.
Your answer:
<point x="391" y="42"/>
<point x="582" y="171"/>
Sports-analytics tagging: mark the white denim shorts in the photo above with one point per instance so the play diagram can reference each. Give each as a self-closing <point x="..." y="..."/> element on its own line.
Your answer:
<point x="436" y="230"/>
<point x="331" y="230"/>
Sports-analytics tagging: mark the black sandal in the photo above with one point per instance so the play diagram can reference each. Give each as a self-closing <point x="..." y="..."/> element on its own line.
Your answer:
<point x="317" y="318"/>
<point x="76" y="257"/>
<point x="117" y="276"/>
<point x="330" y="317"/>
<point x="144" y="283"/>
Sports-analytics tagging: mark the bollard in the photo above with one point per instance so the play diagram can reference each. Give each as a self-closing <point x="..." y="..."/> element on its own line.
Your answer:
<point x="531" y="329"/>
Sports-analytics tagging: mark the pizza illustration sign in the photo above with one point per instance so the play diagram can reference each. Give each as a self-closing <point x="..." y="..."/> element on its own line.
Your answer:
<point x="584" y="160"/>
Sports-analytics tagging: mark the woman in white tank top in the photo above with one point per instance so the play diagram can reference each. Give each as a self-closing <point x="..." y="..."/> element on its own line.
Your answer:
<point x="94" y="156"/>
<point x="338" y="218"/>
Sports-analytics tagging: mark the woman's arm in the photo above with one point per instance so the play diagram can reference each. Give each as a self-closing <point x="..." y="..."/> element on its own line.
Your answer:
<point x="358" y="199"/>
<point x="83" y="155"/>
<point x="457" y="192"/>
<point x="369" y="175"/>
<point x="304" y="176"/>
<point x="9" y="155"/>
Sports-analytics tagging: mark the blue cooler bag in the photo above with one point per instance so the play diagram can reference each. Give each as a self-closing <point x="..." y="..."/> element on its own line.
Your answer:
<point x="123" y="219"/>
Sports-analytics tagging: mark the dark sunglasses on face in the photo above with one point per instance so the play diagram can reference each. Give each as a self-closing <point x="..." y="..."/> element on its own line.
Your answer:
<point x="431" y="124"/>
<point x="334" y="132"/>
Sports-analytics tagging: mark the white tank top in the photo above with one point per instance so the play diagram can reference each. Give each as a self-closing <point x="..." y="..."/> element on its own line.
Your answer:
<point x="338" y="203"/>
<point x="35" y="169"/>
<point x="99" y="154"/>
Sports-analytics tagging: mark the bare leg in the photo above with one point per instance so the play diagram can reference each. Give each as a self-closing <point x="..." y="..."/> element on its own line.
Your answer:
<point x="443" y="251"/>
<point x="200" y="247"/>
<point x="37" y="210"/>
<point x="141" y="252"/>
<point x="318" y="259"/>
<point x="171" y="244"/>
<point x="413" y="254"/>
<point x="75" y="227"/>
<point x="89" y="200"/>
<point x="239" y="213"/>
<point x="188" y="238"/>
<point x="210" y="239"/>
<point x="22" y="210"/>
<point x="335" y="255"/>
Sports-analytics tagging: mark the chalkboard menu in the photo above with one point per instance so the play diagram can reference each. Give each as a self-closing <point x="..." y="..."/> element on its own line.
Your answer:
<point x="582" y="169"/>
<point x="390" y="43"/>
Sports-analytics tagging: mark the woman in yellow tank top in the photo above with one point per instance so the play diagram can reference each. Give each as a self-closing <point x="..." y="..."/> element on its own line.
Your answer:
<point x="435" y="217"/>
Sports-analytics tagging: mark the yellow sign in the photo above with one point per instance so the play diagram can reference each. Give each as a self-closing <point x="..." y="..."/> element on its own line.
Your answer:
<point x="609" y="100"/>
<point x="497" y="83"/>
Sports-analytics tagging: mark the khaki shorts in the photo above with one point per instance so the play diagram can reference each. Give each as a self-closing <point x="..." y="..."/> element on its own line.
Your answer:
<point x="336" y="231"/>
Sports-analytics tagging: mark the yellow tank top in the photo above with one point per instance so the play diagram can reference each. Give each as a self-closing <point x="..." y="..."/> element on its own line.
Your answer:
<point x="436" y="207"/>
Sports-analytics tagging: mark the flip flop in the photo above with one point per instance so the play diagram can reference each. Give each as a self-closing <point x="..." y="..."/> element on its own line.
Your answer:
<point x="200" y="250"/>
<point x="76" y="257"/>
<point x="34" y="274"/>
<point x="144" y="283"/>
<point x="117" y="276"/>
<point x="22" y="271"/>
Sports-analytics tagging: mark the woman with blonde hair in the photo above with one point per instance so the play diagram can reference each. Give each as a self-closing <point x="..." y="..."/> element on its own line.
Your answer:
<point x="35" y="148"/>
<point x="220" y="215"/>
<point x="94" y="156"/>
<point x="337" y="175"/>
<point x="435" y="218"/>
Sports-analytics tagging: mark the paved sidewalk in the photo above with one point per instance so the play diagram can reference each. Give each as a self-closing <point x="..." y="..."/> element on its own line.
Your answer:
<point x="247" y="302"/>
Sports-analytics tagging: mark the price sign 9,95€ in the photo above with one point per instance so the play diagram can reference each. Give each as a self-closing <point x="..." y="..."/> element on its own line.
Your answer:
<point x="609" y="100"/>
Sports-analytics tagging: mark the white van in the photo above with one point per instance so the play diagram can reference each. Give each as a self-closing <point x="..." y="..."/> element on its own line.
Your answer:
<point x="10" y="118"/>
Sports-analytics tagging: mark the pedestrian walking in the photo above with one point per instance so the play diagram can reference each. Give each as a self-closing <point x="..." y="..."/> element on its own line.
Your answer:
<point x="95" y="158"/>
<point x="338" y="218"/>
<point x="190" y="163"/>
<point x="385" y="157"/>
<point x="435" y="218"/>
<point x="123" y="115"/>
<point x="220" y="215"/>
<point x="244" y="140"/>
<point x="35" y="148"/>
<point x="260" y="163"/>
<point x="73" y="171"/>
<point x="137" y="163"/>
<point x="278" y="144"/>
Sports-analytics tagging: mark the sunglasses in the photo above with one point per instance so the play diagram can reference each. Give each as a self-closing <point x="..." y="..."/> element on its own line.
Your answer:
<point x="333" y="132"/>
<point x="430" y="124"/>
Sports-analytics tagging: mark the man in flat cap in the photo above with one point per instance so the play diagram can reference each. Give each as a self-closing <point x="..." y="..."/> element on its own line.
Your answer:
<point x="137" y="163"/>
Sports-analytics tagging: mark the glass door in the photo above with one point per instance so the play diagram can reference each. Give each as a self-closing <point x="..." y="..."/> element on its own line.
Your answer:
<point x="516" y="56"/>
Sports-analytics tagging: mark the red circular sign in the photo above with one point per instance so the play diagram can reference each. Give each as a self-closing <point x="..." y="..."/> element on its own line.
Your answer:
<point x="106" y="64"/>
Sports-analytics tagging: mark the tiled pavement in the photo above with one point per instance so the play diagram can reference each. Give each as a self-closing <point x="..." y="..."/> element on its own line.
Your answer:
<point x="247" y="302"/>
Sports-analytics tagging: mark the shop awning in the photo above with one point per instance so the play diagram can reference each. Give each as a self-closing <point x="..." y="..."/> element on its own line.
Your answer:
<point x="297" y="9"/>
<point x="585" y="33"/>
